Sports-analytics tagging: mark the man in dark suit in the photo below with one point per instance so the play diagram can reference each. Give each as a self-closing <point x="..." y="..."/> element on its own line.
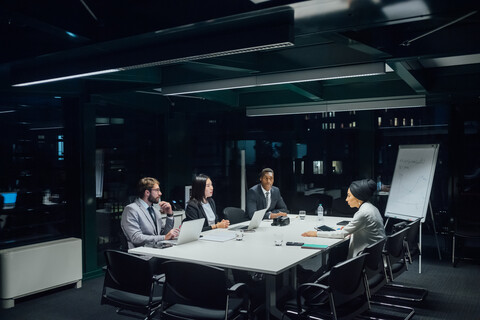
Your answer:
<point x="141" y="221"/>
<point x="265" y="195"/>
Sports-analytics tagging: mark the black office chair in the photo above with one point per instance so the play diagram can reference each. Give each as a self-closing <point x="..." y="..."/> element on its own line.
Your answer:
<point x="335" y="254"/>
<point x="130" y="284"/>
<point x="194" y="291"/>
<point x="466" y="228"/>
<point x="397" y="263"/>
<point x="374" y="267"/>
<point x="377" y="279"/>
<point x="394" y="254"/>
<point x="340" y="294"/>
<point x="235" y="215"/>
<point x="123" y="242"/>
<point x="412" y="248"/>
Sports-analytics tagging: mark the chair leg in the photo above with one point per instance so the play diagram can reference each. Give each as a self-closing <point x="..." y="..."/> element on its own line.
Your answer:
<point x="399" y="312"/>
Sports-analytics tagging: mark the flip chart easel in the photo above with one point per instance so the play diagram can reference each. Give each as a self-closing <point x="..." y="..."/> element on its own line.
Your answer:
<point x="409" y="196"/>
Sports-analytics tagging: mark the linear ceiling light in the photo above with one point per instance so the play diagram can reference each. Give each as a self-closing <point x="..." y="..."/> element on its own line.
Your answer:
<point x="73" y="76"/>
<point x="248" y="32"/>
<point x="340" y="105"/>
<point x="340" y="72"/>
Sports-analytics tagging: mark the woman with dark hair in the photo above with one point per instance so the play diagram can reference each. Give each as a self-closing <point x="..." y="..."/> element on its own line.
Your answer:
<point x="366" y="226"/>
<point x="202" y="205"/>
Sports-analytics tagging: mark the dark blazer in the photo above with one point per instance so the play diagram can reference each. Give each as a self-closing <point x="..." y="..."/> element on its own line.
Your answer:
<point x="256" y="201"/>
<point x="195" y="211"/>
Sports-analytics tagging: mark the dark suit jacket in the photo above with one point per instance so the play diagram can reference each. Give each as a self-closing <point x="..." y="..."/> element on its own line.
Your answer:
<point x="256" y="201"/>
<point x="195" y="211"/>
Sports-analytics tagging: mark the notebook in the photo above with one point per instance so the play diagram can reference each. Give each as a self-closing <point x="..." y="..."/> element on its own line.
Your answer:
<point x="254" y="223"/>
<point x="189" y="231"/>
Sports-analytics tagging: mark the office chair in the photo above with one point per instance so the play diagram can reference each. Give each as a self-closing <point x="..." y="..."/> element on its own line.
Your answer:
<point x="235" y="215"/>
<point x="194" y="291"/>
<point x="467" y="227"/>
<point x="334" y="255"/>
<point x="123" y="245"/>
<point x="130" y="284"/>
<point x="397" y="263"/>
<point x="376" y="280"/>
<point x="341" y="293"/>
<point x="412" y="241"/>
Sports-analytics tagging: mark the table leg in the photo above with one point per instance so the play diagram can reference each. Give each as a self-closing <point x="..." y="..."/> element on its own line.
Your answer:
<point x="271" y="298"/>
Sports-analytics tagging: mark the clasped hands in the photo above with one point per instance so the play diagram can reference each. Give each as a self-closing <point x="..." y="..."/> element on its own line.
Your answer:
<point x="278" y="214"/>
<point x="222" y="224"/>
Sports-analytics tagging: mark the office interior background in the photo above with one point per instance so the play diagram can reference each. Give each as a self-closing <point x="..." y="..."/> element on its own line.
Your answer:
<point x="323" y="92"/>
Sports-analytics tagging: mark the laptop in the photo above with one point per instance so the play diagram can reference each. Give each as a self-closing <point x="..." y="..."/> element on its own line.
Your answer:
<point x="254" y="223"/>
<point x="189" y="231"/>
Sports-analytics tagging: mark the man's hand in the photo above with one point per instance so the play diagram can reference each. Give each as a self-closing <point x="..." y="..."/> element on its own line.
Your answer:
<point x="165" y="207"/>
<point x="278" y="214"/>
<point x="309" y="234"/>
<point x="172" y="234"/>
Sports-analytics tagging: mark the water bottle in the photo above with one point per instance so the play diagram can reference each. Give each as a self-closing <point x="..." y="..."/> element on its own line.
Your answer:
<point x="320" y="212"/>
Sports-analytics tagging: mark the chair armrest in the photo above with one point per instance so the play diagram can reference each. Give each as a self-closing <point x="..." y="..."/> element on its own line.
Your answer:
<point x="236" y="287"/>
<point x="323" y="277"/>
<point x="241" y="289"/>
<point x="311" y="294"/>
<point x="159" y="278"/>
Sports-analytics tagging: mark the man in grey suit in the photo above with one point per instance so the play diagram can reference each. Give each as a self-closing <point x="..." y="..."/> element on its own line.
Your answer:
<point x="265" y="195"/>
<point x="141" y="221"/>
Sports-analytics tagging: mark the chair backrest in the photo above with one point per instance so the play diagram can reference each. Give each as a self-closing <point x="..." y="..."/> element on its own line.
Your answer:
<point x="395" y="252"/>
<point x="347" y="281"/>
<point x="374" y="266"/>
<point x="412" y="240"/>
<point x="394" y="245"/>
<point x="127" y="272"/>
<point x="337" y="253"/>
<point x="235" y="215"/>
<point x="123" y="241"/>
<point x="195" y="285"/>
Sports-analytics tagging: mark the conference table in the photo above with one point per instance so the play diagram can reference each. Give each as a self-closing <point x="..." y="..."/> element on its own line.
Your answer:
<point x="256" y="252"/>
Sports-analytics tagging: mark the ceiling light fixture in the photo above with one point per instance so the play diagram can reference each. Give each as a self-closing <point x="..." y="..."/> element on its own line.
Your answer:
<point x="73" y="76"/>
<point x="340" y="105"/>
<point x="330" y="73"/>
<point x="239" y="34"/>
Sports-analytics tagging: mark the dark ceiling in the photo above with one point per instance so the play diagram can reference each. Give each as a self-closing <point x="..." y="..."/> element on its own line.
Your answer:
<point x="432" y="47"/>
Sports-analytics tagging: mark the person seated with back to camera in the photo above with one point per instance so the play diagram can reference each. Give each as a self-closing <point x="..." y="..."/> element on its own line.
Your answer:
<point x="265" y="195"/>
<point x="202" y="205"/>
<point x="366" y="227"/>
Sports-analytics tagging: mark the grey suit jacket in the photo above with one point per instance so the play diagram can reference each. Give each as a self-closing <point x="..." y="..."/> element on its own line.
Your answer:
<point x="139" y="228"/>
<point x="256" y="201"/>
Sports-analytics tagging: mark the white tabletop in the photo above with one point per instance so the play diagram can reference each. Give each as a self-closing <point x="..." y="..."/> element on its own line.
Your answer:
<point x="256" y="252"/>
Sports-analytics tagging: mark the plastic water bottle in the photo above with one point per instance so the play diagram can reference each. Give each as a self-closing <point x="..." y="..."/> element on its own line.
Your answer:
<point x="379" y="183"/>
<point x="320" y="212"/>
